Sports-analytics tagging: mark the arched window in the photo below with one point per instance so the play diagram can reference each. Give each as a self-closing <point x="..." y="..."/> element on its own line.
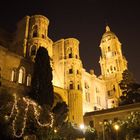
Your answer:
<point x="71" y="85"/>
<point x="33" y="50"/>
<point x="77" y="71"/>
<point x="43" y="36"/>
<point x="21" y="75"/>
<point x="108" y="48"/>
<point x="35" y="28"/>
<point x="87" y="96"/>
<point x="114" y="88"/>
<point x="29" y="80"/>
<point x="70" y="71"/>
<point x="70" y="55"/>
<point x="13" y="75"/>
<point x="111" y="68"/>
<point x="78" y="86"/>
<point x="107" y="70"/>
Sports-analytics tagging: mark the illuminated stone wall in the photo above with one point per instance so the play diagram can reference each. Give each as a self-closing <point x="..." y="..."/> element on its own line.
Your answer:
<point x="83" y="91"/>
<point x="10" y="65"/>
<point x="67" y="74"/>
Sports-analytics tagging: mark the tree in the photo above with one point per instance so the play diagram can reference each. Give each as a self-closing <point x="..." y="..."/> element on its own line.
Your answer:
<point x="42" y="88"/>
<point x="132" y="124"/>
<point x="90" y="133"/>
<point x="130" y="89"/>
<point x="61" y="113"/>
<point x="129" y="127"/>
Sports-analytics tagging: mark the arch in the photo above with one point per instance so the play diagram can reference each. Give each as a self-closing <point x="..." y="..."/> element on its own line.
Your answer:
<point x="35" y="29"/>
<point x="29" y="80"/>
<point x="87" y="96"/>
<point x="71" y="85"/>
<point x="70" y="71"/>
<point x="78" y="72"/>
<point x="70" y="55"/>
<point x="78" y="86"/>
<point x="111" y="68"/>
<point x="57" y="98"/>
<point x="69" y="52"/>
<point x="108" y="48"/>
<point x="61" y="94"/>
<point x="21" y="75"/>
<point x="43" y="36"/>
<point x="114" y="88"/>
<point x="13" y="75"/>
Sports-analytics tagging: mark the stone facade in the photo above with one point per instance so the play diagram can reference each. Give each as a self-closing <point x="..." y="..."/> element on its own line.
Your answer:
<point x="82" y="91"/>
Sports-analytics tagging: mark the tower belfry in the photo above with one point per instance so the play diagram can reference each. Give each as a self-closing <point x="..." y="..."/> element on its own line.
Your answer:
<point x="112" y="63"/>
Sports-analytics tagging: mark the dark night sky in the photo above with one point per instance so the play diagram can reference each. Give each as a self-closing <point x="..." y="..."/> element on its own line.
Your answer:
<point x="86" y="21"/>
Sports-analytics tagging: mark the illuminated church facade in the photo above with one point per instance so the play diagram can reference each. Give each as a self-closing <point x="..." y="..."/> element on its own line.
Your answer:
<point x="83" y="91"/>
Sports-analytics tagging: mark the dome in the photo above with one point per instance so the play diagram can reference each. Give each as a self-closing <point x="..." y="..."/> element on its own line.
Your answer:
<point x="108" y="33"/>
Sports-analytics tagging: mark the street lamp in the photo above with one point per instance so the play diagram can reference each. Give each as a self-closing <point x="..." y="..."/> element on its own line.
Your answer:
<point x="116" y="127"/>
<point x="82" y="126"/>
<point x="55" y="131"/>
<point x="103" y="129"/>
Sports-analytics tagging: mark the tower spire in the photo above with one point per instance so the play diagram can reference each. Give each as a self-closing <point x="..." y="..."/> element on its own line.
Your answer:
<point x="107" y="28"/>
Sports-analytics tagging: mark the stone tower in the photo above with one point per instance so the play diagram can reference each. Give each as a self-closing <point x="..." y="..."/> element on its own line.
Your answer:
<point x="38" y="36"/>
<point x="112" y="64"/>
<point x="32" y="32"/>
<point x="72" y="80"/>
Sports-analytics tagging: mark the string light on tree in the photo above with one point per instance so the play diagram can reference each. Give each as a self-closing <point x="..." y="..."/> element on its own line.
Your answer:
<point x="15" y="112"/>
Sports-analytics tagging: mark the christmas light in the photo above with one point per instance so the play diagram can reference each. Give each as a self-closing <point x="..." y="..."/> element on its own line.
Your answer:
<point x="36" y="111"/>
<point x="24" y="120"/>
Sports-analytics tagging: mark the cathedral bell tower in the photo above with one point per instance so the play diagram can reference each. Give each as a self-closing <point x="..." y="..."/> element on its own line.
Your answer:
<point x="73" y="76"/>
<point x="37" y="36"/>
<point x="112" y="64"/>
<point x="112" y="61"/>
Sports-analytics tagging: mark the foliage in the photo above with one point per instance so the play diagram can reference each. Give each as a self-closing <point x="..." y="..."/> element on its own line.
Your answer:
<point x="72" y="131"/>
<point x="129" y="127"/>
<point x="5" y="107"/>
<point x="130" y="89"/>
<point x="33" y="124"/>
<point x="132" y="124"/>
<point x="61" y="113"/>
<point x="127" y="78"/>
<point x="64" y="129"/>
<point x="90" y="133"/>
<point x="42" y="88"/>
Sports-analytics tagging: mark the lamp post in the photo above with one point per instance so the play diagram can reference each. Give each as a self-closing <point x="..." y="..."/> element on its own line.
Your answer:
<point x="103" y="132"/>
<point x="116" y="127"/>
<point x="103" y="129"/>
<point x="82" y="127"/>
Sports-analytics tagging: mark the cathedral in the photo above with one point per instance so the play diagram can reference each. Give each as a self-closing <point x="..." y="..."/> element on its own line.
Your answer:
<point x="83" y="91"/>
